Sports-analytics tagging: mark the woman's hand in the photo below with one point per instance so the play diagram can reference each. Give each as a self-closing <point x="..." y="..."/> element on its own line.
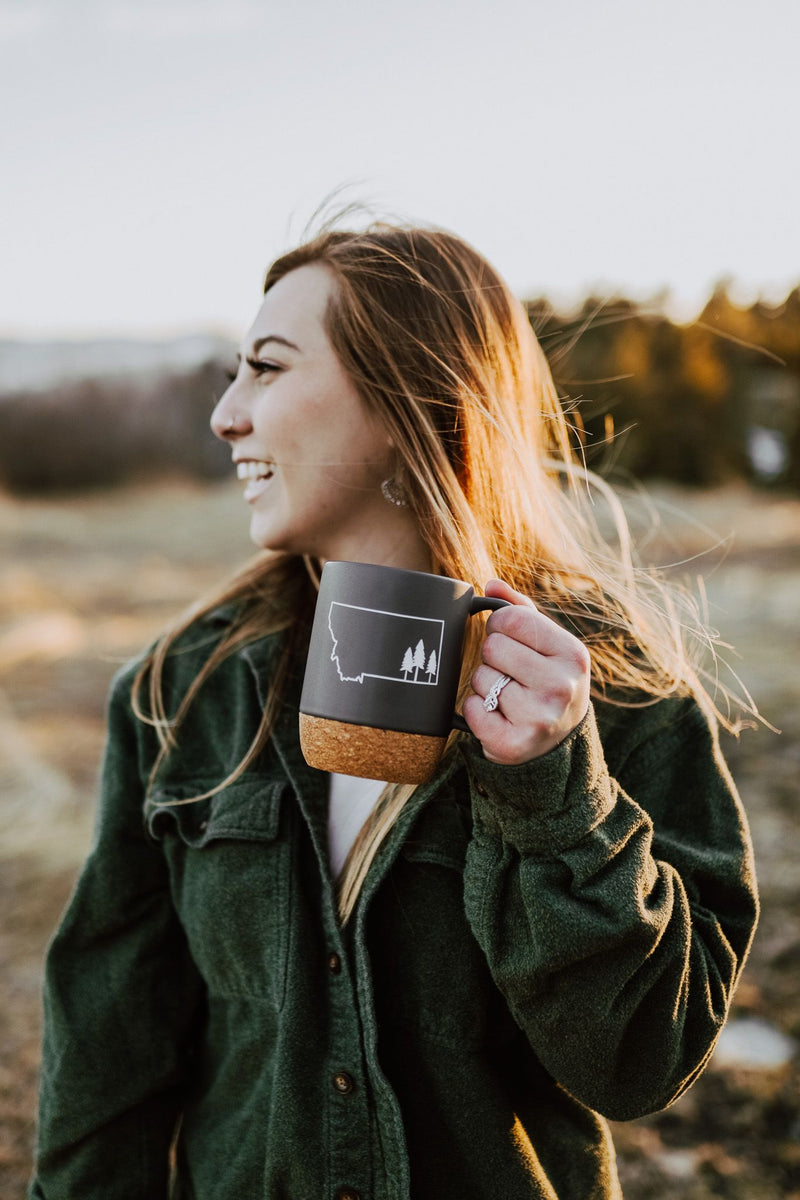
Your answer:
<point x="548" y="690"/>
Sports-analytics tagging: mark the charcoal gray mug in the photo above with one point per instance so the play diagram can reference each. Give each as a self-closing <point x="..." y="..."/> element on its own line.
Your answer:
<point x="383" y="667"/>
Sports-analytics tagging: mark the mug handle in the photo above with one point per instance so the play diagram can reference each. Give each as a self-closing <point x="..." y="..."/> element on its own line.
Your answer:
<point x="479" y="604"/>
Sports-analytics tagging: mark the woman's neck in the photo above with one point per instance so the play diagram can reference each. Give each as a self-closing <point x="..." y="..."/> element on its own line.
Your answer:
<point x="401" y="546"/>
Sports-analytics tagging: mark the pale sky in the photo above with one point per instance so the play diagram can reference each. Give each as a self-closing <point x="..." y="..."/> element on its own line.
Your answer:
<point x="158" y="153"/>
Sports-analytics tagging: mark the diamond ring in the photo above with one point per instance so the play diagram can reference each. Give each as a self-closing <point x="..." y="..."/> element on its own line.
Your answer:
<point x="493" y="695"/>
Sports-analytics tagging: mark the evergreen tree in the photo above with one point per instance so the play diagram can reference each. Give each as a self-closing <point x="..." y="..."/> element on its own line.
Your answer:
<point x="419" y="657"/>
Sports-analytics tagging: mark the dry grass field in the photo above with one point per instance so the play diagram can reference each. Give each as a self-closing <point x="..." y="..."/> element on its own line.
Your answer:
<point x="87" y="581"/>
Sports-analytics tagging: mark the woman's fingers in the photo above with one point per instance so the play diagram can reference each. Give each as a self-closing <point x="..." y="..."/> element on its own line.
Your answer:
<point x="497" y="589"/>
<point x="503" y="740"/>
<point x="506" y="656"/>
<point x="547" y="689"/>
<point x="532" y="628"/>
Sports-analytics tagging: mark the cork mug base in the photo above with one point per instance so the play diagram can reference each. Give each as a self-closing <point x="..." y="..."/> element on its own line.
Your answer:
<point x="369" y="753"/>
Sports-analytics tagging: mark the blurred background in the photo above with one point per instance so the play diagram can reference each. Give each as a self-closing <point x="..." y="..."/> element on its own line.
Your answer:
<point x="628" y="168"/>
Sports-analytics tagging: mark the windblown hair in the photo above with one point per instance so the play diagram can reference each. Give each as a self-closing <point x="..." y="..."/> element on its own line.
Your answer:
<point x="441" y="350"/>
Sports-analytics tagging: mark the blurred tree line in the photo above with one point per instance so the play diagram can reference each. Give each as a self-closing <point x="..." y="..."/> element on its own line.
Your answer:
<point x="698" y="404"/>
<point x="103" y="431"/>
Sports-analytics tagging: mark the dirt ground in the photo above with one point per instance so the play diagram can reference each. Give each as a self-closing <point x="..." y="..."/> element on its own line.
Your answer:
<point x="87" y="581"/>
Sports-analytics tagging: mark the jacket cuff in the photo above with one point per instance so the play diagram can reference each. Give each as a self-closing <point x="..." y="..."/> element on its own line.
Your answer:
<point x="549" y="804"/>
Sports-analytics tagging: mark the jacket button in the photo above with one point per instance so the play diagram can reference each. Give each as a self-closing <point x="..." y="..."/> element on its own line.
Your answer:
<point x="203" y="826"/>
<point x="346" y="1193"/>
<point x="334" y="964"/>
<point x="343" y="1082"/>
<point x="481" y="790"/>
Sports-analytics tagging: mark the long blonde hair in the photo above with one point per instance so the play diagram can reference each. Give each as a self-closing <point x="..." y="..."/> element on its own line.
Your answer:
<point x="442" y="351"/>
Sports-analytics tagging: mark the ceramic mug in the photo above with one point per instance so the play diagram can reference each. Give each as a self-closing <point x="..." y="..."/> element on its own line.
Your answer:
<point x="383" y="667"/>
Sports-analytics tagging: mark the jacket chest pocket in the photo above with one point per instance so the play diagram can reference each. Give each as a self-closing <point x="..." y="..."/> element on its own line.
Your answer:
<point x="229" y="859"/>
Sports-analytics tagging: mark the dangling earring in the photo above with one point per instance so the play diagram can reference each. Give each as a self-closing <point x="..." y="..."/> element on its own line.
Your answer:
<point x="393" y="492"/>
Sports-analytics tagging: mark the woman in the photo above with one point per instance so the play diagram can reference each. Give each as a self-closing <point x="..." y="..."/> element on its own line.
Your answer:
<point x="271" y="983"/>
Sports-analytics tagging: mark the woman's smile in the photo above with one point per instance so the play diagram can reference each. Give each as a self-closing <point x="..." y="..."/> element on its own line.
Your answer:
<point x="311" y="454"/>
<point x="257" y="474"/>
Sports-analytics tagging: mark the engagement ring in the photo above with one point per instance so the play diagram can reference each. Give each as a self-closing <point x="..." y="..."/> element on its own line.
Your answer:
<point x="492" y="698"/>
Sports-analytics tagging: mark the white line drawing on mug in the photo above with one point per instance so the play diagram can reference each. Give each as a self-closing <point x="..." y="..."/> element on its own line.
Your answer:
<point x="377" y="644"/>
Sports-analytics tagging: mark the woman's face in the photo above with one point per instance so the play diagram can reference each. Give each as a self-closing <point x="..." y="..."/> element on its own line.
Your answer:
<point x="311" y="457"/>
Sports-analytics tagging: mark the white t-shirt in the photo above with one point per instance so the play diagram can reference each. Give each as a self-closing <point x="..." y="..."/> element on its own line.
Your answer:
<point x="351" y="801"/>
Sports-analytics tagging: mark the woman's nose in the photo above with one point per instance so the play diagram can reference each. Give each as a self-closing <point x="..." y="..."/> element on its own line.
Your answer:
<point x="226" y="423"/>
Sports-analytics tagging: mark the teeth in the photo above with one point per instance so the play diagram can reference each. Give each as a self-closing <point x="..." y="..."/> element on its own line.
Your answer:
<point x="253" y="470"/>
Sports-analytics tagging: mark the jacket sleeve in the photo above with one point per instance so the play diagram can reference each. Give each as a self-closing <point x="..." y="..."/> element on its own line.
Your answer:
<point x="615" y="910"/>
<point x="121" y="997"/>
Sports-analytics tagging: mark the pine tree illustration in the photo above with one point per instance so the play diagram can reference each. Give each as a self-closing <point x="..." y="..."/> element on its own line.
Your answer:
<point x="408" y="662"/>
<point x="430" y="670"/>
<point x="419" y="657"/>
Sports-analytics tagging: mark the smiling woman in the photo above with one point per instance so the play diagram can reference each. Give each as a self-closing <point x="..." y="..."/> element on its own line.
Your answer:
<point x="313" y="455"/>
<point x="274" y="982"/>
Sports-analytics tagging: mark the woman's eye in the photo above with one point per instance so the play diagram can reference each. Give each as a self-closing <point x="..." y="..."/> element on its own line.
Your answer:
<point x="257" y="366"/>
<point x="262" y="367"/>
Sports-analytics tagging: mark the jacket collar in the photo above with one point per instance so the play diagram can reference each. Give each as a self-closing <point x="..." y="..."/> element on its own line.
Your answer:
<point x="309" y="784"/>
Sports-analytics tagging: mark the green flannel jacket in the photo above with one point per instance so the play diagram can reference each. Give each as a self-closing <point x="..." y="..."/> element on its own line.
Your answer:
<point x="534" y="946"/>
